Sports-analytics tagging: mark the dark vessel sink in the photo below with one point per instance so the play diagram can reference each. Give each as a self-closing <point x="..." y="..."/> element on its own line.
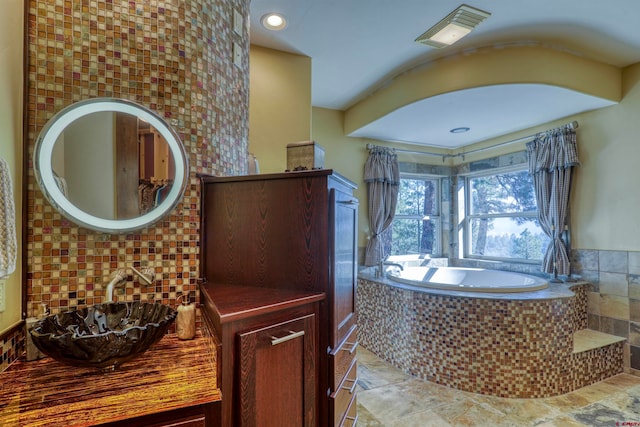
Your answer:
<point x="102" y="335"/>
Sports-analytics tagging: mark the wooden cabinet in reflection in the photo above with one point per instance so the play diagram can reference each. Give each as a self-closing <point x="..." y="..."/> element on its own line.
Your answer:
<point x="144" y="164"/>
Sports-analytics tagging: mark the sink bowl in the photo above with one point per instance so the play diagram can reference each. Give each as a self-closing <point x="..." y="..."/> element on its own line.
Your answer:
<point x="102" y="335"/>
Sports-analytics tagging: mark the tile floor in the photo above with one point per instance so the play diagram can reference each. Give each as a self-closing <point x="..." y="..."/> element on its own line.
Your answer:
<point x="388" y="397"/>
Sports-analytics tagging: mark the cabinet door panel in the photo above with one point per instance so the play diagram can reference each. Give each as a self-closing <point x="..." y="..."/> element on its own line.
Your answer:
<point x="277" y="375"/>
<point x="267" y="234"/>
<point x="343" y="264"/>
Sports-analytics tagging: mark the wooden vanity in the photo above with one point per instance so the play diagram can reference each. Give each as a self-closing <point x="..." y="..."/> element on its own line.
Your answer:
<point x="172" y="384"/>
<point x="268" y="361"/>
<point x="278" y="338"/>
<point x="278" y="263"/>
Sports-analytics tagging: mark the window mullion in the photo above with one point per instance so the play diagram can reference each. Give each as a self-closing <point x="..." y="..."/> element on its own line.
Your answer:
<point x="497" y="233"/>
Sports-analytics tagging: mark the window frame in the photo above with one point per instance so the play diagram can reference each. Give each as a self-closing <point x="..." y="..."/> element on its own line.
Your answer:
<point x="469" y="217"/>
<point x="437" y="252"/>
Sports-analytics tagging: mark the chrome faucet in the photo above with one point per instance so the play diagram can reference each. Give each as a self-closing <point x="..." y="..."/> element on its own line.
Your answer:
<point x="119" y="279"/>
<point x="145" y="274"/>
<point x="383" y="263"/>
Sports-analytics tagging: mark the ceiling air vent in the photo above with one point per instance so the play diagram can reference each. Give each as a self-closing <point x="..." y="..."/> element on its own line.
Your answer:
<point x="453" y="27"/>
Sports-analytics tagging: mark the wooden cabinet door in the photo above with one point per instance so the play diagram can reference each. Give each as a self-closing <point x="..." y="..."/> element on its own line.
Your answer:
<point x="343" y="269"/>
<point x="207" y="415"/>
<point x="277" y="378"/>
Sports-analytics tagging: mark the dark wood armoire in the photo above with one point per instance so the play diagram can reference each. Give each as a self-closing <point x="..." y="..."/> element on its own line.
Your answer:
<point x="293" y="233"/>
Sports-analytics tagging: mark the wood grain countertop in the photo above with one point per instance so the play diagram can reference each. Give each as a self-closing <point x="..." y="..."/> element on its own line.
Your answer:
<point x="173" y="374"/>
<point x="229" y="303"/>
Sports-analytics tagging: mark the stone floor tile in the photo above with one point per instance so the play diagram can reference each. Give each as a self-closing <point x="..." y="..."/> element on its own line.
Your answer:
<point x="366" y="418"/>
<point x="567" y="402"/>
<point x="468" y="413"/>
<point x="421" y="419"/>
<point x="597" y="391"/>
<point x="388" y="397"/>
<point x="562" y="421"/>
<point x="623" y="381"/>
<point x="372" y="376"/>
<point x="598" y="415"/>
<point x="527" y="411"/>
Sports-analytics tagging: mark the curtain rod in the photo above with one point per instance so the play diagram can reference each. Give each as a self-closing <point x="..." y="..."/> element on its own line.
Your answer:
<point x="572" y="125"/>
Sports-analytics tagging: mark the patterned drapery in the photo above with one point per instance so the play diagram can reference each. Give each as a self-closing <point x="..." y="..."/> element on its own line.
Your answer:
<point x="382" y="176"/>
<point x="552" y="156"/>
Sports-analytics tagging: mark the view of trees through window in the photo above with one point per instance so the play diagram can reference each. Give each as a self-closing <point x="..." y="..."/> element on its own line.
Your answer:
<point x="416" y="226"/>
<point x="502" y="217"/>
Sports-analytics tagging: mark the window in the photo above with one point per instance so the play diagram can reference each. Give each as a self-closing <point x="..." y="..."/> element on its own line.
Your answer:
<point x="501" y="217"/>
<point x="416" y="227"/>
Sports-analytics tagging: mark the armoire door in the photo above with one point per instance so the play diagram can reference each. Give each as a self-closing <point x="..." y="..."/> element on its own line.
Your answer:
<point x="343" y="270"/>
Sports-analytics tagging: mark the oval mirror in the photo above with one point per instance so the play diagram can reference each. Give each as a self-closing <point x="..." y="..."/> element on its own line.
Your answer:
<point x="110" y="165"/>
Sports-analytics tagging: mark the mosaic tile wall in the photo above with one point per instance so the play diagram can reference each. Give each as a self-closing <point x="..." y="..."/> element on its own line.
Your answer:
<point x="12" y="345"/>
<point x="172" y="56"/>
<point x="613" y="300"/>
<point x="505" y="348"/>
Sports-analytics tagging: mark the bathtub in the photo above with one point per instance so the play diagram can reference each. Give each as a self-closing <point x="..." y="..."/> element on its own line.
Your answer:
<point x="514" y="345"/>
<point x="468" y="279"/>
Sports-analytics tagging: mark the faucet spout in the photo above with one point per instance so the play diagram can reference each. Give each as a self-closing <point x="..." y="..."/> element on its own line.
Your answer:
<point x="384" y="263"/>
<point x="146" y="275"/>
<point x="119" y="279"/>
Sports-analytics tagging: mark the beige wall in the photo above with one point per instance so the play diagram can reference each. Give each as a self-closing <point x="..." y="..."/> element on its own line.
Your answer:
<point x="348" y="155"/>
<point x="345" y="155"/>
<point x="604" y="206"/>
<point x="11" y="137"/>
<point x="604" y="203"/>
<point x="279" y="105"/>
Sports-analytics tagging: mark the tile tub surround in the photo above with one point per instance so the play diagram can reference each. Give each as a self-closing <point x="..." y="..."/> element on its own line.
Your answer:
<point x="614" y="301"/>
<point x="173" y="57"/>
<point x="502" y="346"/>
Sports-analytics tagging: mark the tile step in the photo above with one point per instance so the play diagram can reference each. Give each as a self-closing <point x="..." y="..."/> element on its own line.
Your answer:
<point x="588" y="339"/>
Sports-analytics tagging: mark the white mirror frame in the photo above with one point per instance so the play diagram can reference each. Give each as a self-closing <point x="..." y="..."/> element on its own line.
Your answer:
<point x="45" y="177"/>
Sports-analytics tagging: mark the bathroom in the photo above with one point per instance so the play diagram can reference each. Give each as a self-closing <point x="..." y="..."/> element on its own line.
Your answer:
<point x="63" y="265"/>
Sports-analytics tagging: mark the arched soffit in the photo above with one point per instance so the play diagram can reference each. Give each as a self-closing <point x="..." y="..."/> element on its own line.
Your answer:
<point x="487" y="67"/>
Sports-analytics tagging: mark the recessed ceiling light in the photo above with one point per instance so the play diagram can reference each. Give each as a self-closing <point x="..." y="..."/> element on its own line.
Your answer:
<point x="273" y="21"/>
<point x="453" y="27"/>
<point x="460" y="130"/>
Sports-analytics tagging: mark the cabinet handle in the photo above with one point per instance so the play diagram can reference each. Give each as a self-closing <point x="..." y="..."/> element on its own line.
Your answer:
<point x="348" y="202"/>
<point x="292" y="335"/>
<point x="353" y="387"/>
<point x="351" y="349"/>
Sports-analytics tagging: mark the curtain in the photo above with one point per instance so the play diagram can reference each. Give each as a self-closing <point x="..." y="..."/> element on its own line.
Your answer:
<point x="382" y="176"/>
<point x="552" y="156"/>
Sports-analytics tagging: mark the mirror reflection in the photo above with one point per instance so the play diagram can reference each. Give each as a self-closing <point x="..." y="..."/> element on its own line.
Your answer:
<point x="113" y="165"/>
<point x="110" y="165"/>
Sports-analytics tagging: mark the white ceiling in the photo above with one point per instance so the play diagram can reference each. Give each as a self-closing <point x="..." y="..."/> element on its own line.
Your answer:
<point x="357" y="46"/>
